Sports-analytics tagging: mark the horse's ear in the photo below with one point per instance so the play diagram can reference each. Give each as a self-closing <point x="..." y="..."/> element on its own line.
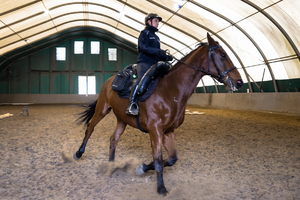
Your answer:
<point x="211" y="41"/>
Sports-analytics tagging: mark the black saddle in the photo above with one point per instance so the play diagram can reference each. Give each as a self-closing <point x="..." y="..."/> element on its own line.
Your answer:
<point x="125" y="79"/>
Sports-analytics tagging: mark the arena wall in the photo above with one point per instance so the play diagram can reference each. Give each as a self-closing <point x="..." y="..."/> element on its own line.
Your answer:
<point x="47" y="99"/>
<point x="288" y="103"/>
<point x="273" y="102"/>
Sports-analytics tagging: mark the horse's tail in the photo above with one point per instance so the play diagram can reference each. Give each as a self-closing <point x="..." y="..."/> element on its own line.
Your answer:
<point x="87" y="115"/>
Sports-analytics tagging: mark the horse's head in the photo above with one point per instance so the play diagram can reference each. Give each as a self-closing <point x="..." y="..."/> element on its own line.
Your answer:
<point x="222" y="67"/>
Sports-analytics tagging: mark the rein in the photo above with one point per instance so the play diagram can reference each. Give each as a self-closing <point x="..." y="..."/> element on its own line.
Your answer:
<point x="212" y="54"/>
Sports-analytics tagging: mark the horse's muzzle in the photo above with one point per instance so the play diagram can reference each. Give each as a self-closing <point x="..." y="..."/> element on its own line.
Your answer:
<point x="232" y="85"/>
<point x="239" y="83"/>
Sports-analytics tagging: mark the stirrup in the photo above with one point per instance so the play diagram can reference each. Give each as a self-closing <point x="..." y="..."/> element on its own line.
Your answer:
<point x="132" y="109"/>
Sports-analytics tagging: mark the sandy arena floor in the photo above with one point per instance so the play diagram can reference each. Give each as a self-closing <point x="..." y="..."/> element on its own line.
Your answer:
<point x="223" y="154"/>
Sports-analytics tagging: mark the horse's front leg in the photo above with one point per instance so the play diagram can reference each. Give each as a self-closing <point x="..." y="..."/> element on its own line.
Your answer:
<point x="156" y="138"/>
<point x="115" y="138"/>
<point x="170" y="146"/>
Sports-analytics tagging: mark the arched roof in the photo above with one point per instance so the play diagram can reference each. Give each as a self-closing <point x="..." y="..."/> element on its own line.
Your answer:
<point x="258" y="35"/>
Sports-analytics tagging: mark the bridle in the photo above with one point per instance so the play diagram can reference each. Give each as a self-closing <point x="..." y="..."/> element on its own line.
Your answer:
<point x="212" y="54"/>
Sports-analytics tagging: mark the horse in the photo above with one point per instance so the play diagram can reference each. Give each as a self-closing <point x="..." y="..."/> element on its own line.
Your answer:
<point x="164" y="110"/>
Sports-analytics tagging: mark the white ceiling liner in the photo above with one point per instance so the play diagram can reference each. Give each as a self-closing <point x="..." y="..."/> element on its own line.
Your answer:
<point x="258" y="35"/>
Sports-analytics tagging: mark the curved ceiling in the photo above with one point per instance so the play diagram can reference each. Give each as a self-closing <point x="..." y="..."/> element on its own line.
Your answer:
<point x="260" y="36"/>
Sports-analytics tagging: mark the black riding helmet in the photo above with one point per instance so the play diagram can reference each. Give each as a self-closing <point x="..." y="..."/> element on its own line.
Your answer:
<point x="152" y="16"/>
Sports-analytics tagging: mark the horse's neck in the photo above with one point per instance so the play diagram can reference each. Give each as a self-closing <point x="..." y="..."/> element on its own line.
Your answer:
<point x="185" y="78"/>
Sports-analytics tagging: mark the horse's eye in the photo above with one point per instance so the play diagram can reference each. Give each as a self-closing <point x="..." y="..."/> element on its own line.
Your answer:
<point x="223" y="55"/>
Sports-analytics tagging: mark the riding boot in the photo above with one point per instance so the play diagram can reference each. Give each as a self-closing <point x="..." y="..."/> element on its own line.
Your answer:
<point x="147" y="80"/>
<point x="133" y="108"/>
<point x="157" y="70"/>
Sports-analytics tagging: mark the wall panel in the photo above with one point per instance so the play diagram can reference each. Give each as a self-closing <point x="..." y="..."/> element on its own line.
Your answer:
<point x="40" y="60"/>
<point x="44" y="83"/>
<point x="42" y="73"/>
<point x="58" y="64"/>
<point x="34" y="83"/>
<point x="94" y="60"/>
<point x="19" y="77"/>
<point x="4" y="80"/>
<point x="111" y="65"/>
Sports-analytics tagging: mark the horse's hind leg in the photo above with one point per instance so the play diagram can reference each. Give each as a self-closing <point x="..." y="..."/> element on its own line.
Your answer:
<point x="97" y="117"/>
<point x="114" y="139"/>
<point x="170" y="146"/>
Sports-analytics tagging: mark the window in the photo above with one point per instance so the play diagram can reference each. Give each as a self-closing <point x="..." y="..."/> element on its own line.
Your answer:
<point x="78" y="47"/>
<point x="60" y="53"/>
<point x="112" y="54"/>
<point x="86" y="85"/>
<point x="95" y="47"/>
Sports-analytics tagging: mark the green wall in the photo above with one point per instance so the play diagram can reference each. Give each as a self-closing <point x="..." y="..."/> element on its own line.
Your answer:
<point x="41" y="73"/>
<point x="291" y="85"/>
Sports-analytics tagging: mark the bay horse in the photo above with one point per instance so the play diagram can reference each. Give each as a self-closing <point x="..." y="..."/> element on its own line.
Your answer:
<point x="164" y="110"/>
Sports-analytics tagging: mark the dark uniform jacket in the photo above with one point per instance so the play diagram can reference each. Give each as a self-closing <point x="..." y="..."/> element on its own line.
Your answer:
<point x="149" y="46"/>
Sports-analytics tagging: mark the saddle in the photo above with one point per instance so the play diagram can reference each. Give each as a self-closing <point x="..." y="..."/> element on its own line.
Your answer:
<point x="125" y="79"/>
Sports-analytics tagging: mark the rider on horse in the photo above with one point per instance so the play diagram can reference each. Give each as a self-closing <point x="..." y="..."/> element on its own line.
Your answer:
<point x="149" y="54"/>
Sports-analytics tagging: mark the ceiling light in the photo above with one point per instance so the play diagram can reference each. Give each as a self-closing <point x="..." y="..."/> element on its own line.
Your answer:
<point x="178" y="4"/>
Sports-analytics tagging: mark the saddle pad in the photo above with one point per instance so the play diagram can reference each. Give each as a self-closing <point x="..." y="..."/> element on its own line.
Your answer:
<point x="144" y="97"/>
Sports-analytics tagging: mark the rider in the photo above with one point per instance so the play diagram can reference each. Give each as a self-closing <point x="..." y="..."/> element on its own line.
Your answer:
<point x="149" y="54"/>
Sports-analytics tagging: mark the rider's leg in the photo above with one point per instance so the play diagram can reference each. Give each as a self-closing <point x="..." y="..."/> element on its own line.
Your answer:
<point x="132" y="108"/>
<point x="149" y="77"/>
<point x="144" y="81"/>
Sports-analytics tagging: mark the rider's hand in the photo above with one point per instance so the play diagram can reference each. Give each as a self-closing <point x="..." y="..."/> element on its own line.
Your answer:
<point x="162" y="53"/>
<point x="169" y="58"/>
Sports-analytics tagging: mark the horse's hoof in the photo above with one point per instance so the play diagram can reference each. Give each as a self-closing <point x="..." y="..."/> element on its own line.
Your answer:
<point x="76" y="156"/>
<point x="139" y="170"/>
<point x="162" y="190"/>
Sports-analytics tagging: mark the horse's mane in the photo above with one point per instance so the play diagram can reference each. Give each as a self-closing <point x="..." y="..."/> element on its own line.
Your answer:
<point x="201" y="44"/>
<point x="197" y="47"/>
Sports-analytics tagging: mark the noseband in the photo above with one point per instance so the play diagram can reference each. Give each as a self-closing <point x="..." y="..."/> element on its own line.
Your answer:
<point x="212" y="54"/>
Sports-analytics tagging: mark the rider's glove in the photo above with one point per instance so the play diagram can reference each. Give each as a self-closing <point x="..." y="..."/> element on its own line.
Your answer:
<point x="162" y="53"/>
<point x="169" y="58"/>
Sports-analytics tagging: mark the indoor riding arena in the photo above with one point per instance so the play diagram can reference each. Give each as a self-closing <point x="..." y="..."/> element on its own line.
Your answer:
<point x="230" y="99"/>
